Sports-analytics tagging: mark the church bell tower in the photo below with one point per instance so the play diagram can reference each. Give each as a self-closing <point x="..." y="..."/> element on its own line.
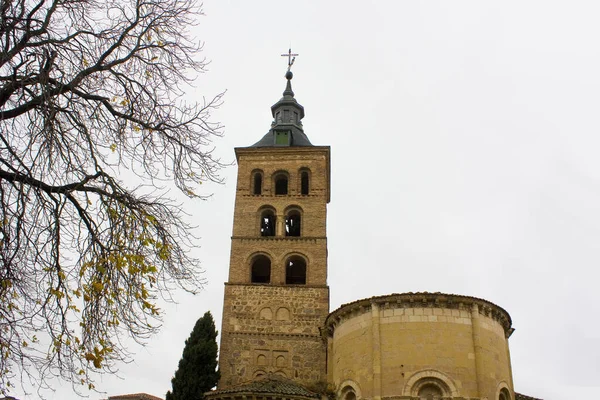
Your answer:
<point x="276" y="297"/>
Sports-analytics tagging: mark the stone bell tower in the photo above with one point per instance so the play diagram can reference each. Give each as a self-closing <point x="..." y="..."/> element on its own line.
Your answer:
<point x="277" y="298"/>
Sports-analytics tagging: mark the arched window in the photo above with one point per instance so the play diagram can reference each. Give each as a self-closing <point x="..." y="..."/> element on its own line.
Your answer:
<point x="304" y="183"/>
<point x="257" y="181"/>
<point x="295" y="271"/>
<point x="261" y="269"/>
<point x="281" y="184"/>
<point x="292" y="223"/>
<point x="430" y="385"/>
<point x="430" y="392"/>
<point x="267" y="222"/>
<point x="348" y="393"/>
<point x="504" y="394"/>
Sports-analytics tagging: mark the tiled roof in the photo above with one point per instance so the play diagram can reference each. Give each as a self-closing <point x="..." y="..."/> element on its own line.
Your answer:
<point x="272" y="384"/>
<point x="519" y="396"/>
<point x="135" y="396"/>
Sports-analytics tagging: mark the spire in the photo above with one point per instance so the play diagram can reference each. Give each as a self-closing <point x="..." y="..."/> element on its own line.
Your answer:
<point x="286" y="128"/>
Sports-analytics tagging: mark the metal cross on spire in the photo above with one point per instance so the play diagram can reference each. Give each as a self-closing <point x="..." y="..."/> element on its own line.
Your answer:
<point x="291" y="58"/>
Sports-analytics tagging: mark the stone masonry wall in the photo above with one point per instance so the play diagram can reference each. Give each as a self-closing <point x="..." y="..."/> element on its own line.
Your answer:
<point x="385" y="348"/>
<point x="312" y="243"/>
<point x="273" y="329"/>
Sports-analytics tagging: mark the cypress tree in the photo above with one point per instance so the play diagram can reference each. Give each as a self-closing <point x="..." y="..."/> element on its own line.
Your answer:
<point x="197" y="371"/>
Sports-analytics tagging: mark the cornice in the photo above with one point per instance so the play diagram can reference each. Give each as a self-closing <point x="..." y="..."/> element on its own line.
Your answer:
<point x="279" y="238"/>
<point x="282" y="150"/>
<point x="418" y="300"/>
<point x="277" y="285"/>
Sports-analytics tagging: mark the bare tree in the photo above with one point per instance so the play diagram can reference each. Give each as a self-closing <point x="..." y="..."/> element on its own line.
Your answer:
<point x="88" y="87"/>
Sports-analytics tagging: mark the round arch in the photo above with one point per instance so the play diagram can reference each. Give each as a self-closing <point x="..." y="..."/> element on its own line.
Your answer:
<point x="304" y="181"/>
<point x="267" y="220"/>
<point x="293" y="207"/>
<point x="430" y="377"/>
<point x="266" y="207"/>
<point x="281" y="181"/>
<point x="259" y="264"/>
<point x="260" y="373"/>
<point x="280" y="373"/>
<point x="293" y="221"/>
<point x="296" y="269"/>
<point x="503" y="391"/>
<point x="346" y="387"/>
<point x="257" y="182"/>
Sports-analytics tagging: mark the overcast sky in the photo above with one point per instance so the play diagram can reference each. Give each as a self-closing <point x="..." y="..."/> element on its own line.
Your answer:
<point x="464" y="146"/>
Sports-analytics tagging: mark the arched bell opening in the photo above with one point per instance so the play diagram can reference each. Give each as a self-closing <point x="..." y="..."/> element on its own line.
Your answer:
<point x="268" y="220"/>
<point x="295" y="271"/>
<point x="260" y="270"/>
<point x="293" y="226"/>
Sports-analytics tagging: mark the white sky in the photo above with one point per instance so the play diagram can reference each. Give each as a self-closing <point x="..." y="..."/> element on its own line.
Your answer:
<point x="464" y="141"/>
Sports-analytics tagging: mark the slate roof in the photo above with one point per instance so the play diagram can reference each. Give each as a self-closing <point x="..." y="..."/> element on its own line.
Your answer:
<point x="299" y="138"/>
<point x="271" y="384"/>
<point x="519" y="396"/>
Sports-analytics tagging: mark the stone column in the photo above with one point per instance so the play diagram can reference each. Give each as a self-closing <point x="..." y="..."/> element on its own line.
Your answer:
<point x="478" y="350"/>
<point x="280" y="225"/>
<point x="376" y="341"/>
<point x="512" y="387"/>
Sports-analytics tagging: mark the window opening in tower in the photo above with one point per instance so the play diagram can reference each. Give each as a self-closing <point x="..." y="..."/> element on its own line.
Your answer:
<point x="292" y="224"/>
<point x="295" y="271"/>
<point x="281" y="185"/>
<point x="267" y="224"/>
<point x="304" y="183"/>
<point x="261" y="270"/>
<point x="257" y="183"/>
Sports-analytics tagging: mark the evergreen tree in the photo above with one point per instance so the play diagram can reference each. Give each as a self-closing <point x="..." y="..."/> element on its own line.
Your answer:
<point x="197" y="371"/>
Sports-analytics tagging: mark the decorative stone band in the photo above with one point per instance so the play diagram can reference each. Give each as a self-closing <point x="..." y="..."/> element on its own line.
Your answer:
<point x="420" y="300"/>
<point x="271" y="285"/>
<point x="250" y="239"/>
<point x="274" y="335"/>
